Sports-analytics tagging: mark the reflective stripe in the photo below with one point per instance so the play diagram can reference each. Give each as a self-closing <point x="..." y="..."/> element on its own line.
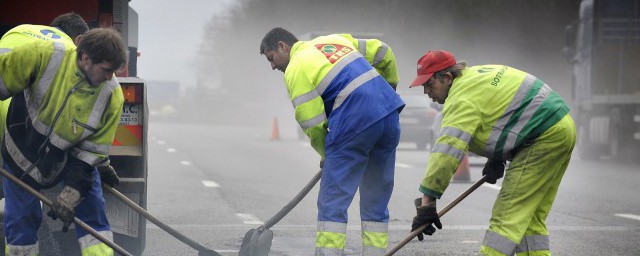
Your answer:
<point x="533" y="243"/>
<point x="520" y="95"/>
<point x="455" y="132"/>
<point x="93" y="147"/>
<point x="331" y="238"/>
<point x="375" y="239"/>
<point x="323" y="251"/>
<point x="4" y="92"/>
<point x="4" y="50"/>
<point x="448" y="150"/>
<point x="305" y="98"/>
<point x="527" y="114"/>
<point x="362" y="46"/>
<point x="24" y="163"/>
<point x="88" y="240"/>
<point x="375" y="251"/>
<point x="328" y="78"/>
<point x="22" y="250"/>
<point x="374" y="226"/>
<point x="313" y="121"/>
<point x="86" y="156"/>
<point x="499" y="243"/>
<point x="380" y="54"/>
<point x="354" y="84"/>
<point x="330" y="226"/>
<point x="35" y="101"/>
<point x="55" y="139"/>
<point x="100" y="105"/>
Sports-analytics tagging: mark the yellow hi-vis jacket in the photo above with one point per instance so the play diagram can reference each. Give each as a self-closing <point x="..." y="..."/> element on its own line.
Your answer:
<point x="491" y="110"/>
<point x="57" y="121"/>
<point x="334" y="87"/>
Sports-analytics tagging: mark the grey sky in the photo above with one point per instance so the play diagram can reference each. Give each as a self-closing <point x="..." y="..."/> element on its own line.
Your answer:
<point x="169" y="35"/>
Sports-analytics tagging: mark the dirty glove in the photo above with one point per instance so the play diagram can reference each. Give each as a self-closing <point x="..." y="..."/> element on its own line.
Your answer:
<point x="494" y="170"/>
<point x="108" y="175"/>
<point x="425" y="215"/>
<point x="63" y="206"/>
<point x="321" y="163"/>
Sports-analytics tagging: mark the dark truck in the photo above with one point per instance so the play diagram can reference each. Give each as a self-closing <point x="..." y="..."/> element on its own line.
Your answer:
<point x="129" y="151"/>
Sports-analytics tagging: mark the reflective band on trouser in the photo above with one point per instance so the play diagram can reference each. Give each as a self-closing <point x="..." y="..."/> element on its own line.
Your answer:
<point x="375" y="238"/>
<point x="33" y="105"/>
<point x="90" y="246"/>
<point x="362" y="46"/>
<point x="331" y="238"/>
<point x="354" y="84"/>
<point x="499" y="243"/>
<point x="455" y="132"/>
<point x="448" y="150"/>
<point x="22" y="250"/>
<point x="380" y="54"/>
<point x="328" y="78"/>
<point x="533" y="243"/>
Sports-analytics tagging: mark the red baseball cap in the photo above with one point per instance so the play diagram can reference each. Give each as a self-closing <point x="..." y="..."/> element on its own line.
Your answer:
<point x="432" y="62"/>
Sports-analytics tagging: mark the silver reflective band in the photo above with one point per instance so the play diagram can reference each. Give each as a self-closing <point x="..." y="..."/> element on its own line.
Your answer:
<point x="324" y="251"/>
<point x="24" y="163"/>
<point x="517" y="100"/>
<point x="26" y="250"/>
<point x="94" y="147"/>
<point x="100" y="105"/>
<point x="330" y="226"/>
<point x="372" y="226"/>
<point x="448" y="150"/>
<point x="328" y="78"/>
<point x="362" y="46"/>
<point x="499" y="243"/>
<point x="50" y="72"/>
<point x="354" y="84"/>
<point x="313" y="121"/>
<point x="533" y="243"/>
<point x="4" y="50"/>
<point x="373" y="251"/>
<point x="305" y="98"/>
<point x="455" y="132"/>
<point x="86" y="156"/>
<point x="88" y="240"/>
<point x="380" y="54"/>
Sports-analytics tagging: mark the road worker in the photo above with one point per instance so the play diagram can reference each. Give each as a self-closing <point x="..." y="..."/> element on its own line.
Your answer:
<point x="345" y="104"/>
<point x="65" y="107"/>
<point x="503" y="114"/>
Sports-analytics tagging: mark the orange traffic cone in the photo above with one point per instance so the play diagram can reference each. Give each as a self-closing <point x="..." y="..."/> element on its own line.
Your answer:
<point x="275" y="133"/>
<point x="462" y="174"/>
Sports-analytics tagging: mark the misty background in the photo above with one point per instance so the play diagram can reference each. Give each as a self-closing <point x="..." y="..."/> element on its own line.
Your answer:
<point x="202" y="63"/>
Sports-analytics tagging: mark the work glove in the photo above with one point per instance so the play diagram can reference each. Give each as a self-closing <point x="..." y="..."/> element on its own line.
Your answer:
<point x="425" y="215"/>
<point x="494" y="170"/>
<point x="108" y="175"/>
<point x="63" y="206"/>
<point x="321" y="163"/>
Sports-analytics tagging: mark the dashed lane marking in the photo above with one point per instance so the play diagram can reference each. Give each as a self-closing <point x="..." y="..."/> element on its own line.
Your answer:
<point x="628" y="216"/>
<point x="210" y="184"/>
<point x="469" y="242"/>
<point x="171" y="150"/>
<point x="404" y="165"/>
<point x="493" y="186"/>
<point x="161" y="142"/>
<point x="247" y="218"/>
<point x="185" y="163"/>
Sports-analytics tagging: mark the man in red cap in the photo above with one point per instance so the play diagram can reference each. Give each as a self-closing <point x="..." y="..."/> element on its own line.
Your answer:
<point x="505" y="115"/>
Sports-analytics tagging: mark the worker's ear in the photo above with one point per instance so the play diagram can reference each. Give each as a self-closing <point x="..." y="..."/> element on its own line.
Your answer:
<point x="284" y="46"/>
<point x="77" y="39"/>
<point x="448" y="78"/>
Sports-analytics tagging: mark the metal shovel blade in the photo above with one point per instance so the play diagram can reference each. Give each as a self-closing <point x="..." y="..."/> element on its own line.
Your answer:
<point x="256" y="242"/>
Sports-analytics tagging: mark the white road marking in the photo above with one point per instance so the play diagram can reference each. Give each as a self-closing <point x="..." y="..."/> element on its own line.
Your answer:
<point x="247" y="218"/>
<point x="493" y="186"/>
<point x="404" y="165"/>
<point x="171" y="150"/>
<point x="185" y="163"/>
<point x="628" y="216"/>
<point x="210" y="184"/>
<point x="469" y="242"/>
<point x="161" y="142"/>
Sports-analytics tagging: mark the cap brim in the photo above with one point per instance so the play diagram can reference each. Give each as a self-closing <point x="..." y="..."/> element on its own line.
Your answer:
<point x="420" y="80"/>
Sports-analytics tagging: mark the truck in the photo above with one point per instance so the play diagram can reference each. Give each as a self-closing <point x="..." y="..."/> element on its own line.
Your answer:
<point x="603" y="47"/>
<point x="128" y="153"/>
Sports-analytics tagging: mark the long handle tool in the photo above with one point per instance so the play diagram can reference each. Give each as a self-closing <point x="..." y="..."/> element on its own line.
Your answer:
<point x="77" y="221"/>
<point x="202" y="251"/>
<point x="257" y="241"/>
<point x="440" y="213"/>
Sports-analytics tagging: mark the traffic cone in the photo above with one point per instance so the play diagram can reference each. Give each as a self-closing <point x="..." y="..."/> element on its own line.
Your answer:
<point x="275" y="133"/>
<point x="462" y="174"/>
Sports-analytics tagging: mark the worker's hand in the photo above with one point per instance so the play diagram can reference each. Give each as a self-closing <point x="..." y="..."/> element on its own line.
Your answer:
<point x="321" y="163"/>
<point x="63" y="206"/>
<point x="426" y="214"/>
<point x="109" y="176"/>
<point x="494" y="170"/>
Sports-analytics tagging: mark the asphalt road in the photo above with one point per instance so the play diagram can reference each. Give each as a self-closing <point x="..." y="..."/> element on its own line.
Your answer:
<point x="214" y="183"/>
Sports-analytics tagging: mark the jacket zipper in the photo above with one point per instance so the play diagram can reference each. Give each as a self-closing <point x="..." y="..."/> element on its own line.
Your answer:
<point x="77" y="123"/>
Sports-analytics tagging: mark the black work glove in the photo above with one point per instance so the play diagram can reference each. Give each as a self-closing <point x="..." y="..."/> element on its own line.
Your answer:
<point x="63" y="206"/>
<point x="425" y="215"/>
<point x="321" y="163"/>
<point x="494" y="170"/>
<point x="108" y="175"/>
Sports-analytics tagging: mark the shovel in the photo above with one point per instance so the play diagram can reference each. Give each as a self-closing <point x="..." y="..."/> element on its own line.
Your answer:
<point x="202" y="251"/>
<point x="257" y="241"/>
<point x="440" y="213"/>
<point x="76" y="221"/>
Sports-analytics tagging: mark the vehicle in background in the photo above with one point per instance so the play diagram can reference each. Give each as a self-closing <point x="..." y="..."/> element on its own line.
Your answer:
<point x="128" y="153"/>
<point x="604" y="48"/>
<point x="416" y="120"/>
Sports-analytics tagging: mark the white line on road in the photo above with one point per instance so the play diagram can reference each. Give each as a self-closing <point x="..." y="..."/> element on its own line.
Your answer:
<point x="185" y="163"/>
<point x="161" y="142"/>
<point x="628" y="216"/>
<point x="210" y="184"/>
<point x="404" y="165"/>
<point x="249" y="219"/>
<point x="493" y="186"/>
<point x="469" y="242"/>
<point x="171" y="150"/>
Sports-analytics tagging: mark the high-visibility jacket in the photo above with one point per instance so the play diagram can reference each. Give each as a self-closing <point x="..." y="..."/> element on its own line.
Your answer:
<point x="491" y="110"/>
<point x="334" y="87"/>
<point x="56" y="121"/>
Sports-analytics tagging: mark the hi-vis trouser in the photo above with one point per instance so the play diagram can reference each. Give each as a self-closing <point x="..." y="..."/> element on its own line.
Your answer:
<point x="367" y="161"/>
<point x="517" y="224"/>
<point x="23" y="215"/>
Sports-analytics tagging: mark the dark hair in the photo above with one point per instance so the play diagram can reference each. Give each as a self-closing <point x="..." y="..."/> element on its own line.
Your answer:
<point x="270" y="40"/>
<point x="71" y="24"/>
<point x="103" y="44"/>
<point x="455" y="70"/>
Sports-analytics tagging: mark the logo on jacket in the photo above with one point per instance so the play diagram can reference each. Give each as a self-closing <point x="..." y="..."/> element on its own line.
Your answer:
<point x="50" y="34"/>
<point x="333" y="52"/>
<point x="485" y="70"/>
